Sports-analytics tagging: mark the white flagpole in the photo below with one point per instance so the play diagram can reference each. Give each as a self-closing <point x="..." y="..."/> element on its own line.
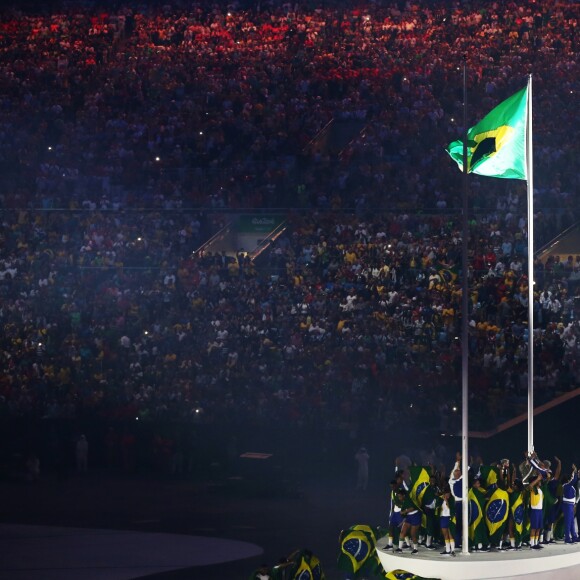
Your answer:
<point x="464" y="334"/>
<point x="530" y="179"/>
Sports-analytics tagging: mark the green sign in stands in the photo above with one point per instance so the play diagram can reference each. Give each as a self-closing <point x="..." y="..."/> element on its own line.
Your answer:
<point x="255" y="224"/>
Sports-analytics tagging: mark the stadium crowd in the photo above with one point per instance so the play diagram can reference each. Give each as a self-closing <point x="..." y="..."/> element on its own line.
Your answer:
<point x="128" y="136"/>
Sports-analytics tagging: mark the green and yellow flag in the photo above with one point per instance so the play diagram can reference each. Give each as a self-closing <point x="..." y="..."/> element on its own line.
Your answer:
<point x="404" y="575"/>
<point x="300" y="565"/>
<point x="448" y="275"/>
<point x="489" y="476"/>
<point x="357" y="550"/>
<point x="518" y="512"/>
<point x="316" y="568"/>
<point x="303" y="570"/>
<point x="420" y="477"/>
<point x="496" y="146"/>
<point x="477" y="527"/>
<point x="496" y="514"/>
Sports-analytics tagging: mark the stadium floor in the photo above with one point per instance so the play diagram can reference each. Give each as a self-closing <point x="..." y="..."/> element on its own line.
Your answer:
<point x="53" y="553"/>
<point x="100" y="527"/>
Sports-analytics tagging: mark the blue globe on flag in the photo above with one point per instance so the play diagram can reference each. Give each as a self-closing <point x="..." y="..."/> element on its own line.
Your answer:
<point x="519" y="514"/>
<point x="357" y="548"/>
<point x="474" y="512"/>
<point x="496" y="511"/>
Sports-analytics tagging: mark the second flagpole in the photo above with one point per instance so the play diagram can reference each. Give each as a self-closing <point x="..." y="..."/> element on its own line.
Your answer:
<point x="464" y="332"/>
<point x="530" y="189"/>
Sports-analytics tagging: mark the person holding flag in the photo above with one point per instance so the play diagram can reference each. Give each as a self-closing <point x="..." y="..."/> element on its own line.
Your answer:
<point x="517" y="513"/>
<point x="552" y="505"/>
<point x="456" y="487"/>
<point x="506" y="473"/>
<point x="446" y="510"/>
<point x="536" y="512"/>
<point x="422" y="493"/>
<point x="489" y="475"/>
<point x="569" y="499"/>
<point x="532" y="466"/>
<point x="420" y="480"/>
<point x="429" y="507"/>
<point x="477" y="529"/>
<point x="495" y="478"/>
<point x="395" y="517"/>
<point x="497" y="514"/>
<point x="411" y="521"/>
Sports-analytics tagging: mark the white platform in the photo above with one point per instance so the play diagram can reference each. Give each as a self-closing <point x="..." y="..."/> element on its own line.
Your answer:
<point x="556" y="561"/>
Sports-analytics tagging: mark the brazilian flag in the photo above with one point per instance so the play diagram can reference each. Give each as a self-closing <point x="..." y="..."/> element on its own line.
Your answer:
<point x="527" y="528"/>
<point x="496" y="146"/>
<point x="453" y="524"/>
<point x="403" y="575"/>
<point x="303" y="570"/>
<point x="316" y="568"/>
<point x="358" y="554"/>
<point x="367" y="530"/>
<point x="428" y="519"/>
<point x="447" y="274"/>
<point x="518" y="513"/>
<point x="420" y="477"/>
<point x="477" y="527"/>
<point x="429" y="496"/>
<point x="489" y="475"/>
<point x="300" y="565"/>
<point x="496" y="514"/>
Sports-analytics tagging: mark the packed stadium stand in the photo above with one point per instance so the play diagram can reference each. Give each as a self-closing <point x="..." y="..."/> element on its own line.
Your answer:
<point x="132" y="133"/>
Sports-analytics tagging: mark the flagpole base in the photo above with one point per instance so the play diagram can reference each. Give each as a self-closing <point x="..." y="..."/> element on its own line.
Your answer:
<point x="556" y="560"/>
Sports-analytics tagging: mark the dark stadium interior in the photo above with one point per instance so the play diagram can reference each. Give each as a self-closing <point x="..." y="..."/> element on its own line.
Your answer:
<point x="231" y="228"/>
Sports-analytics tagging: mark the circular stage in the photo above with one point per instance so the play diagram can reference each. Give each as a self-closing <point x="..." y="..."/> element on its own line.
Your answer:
<point x="557" y="561"/>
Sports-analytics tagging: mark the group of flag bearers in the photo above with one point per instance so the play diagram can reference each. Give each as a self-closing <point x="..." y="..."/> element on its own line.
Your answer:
<point x="507" y="509"/>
